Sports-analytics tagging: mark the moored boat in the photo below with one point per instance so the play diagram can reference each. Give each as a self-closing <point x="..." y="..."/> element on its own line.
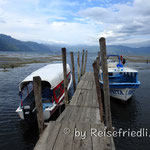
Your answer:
<point x="122" y="80"/>
<point x="52" y="81"/>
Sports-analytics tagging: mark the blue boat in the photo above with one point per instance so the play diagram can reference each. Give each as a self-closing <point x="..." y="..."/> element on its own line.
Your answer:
<point x="122" y="80"/>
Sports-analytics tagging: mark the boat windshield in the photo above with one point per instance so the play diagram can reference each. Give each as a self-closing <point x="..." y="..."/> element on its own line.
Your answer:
<point x="112" y="59"/>
<point x="47" y="93"/>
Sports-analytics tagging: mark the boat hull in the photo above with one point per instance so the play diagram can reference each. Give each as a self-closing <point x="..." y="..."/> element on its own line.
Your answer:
<point x="122" y="94"/>
<point x="47" y="113"/>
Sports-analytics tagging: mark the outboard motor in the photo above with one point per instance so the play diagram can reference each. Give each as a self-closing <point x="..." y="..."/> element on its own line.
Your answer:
<point x="28" y="107"/>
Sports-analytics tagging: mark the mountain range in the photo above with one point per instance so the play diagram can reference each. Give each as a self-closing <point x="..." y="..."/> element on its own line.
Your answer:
<point x="7" y="43"/>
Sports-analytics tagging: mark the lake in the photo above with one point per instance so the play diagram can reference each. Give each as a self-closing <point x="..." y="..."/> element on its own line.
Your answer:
<point x="19" y="135"/>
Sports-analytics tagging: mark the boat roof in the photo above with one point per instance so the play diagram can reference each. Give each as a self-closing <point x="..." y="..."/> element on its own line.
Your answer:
<point x="52" y="73"/>
<point x="122" y="69"/>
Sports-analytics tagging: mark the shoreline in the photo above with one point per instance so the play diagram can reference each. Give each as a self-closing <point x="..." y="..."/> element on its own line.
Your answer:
<point x="10" y="62"/>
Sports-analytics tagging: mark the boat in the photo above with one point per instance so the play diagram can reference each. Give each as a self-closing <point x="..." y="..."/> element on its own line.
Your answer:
<point x="122" y="80"/>
<point x="52" y="82"/>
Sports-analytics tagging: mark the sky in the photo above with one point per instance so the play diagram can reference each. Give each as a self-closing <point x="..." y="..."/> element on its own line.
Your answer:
<point x="76" y="22"/>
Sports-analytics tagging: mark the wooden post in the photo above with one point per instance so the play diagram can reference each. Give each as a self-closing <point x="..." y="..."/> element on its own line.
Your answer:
<point x="65" y="75"/>
<point x="78" y="63"/>
<point x="73" y="70"/>
<point x="95" y="69"/>
<point x="97" y="62"/>
<point x="85" y="62"/>
<point x="38" y="102"/>
<point x="99" y="55"/>
<point x="82" y="62"/>
<point x="105" y="84"/>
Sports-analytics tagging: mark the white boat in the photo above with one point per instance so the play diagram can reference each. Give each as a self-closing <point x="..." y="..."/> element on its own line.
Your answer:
<point x="52" y="79"/>
<point x="122" y="80"/>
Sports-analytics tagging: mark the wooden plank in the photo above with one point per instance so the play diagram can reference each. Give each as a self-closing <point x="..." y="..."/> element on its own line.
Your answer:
<point x="79" y="143"/>
<point x="98" y="90"/>
<point x="98" y="142"/>
<point x="65" y="115"/>
<point x="80" y="84"/>
<point x="89" y="98"/>
<point x="53" y="134"/>
<point x="69" y="138"/>
<point x="63" y="141"/>
<point x="44" y="142"/>
<point x="95" y="116"/>
<point x="90" y="85"/>
<point x="41" y="144"/>
<point x="75" y="97"/>
<point x="85" y="84"/>
<point x="76" y="114"/>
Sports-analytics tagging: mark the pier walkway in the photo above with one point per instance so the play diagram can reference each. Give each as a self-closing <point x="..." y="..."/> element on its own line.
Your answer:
<point x="81" y="116"/>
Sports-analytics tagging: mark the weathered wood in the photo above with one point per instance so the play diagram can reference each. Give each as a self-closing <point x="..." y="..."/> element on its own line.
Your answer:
<point x="82" y="63"/>
<point x="85" y="62"/>
<point x="81" y="114"/>
<point x="65" y="75"/>
<point x="83" y="144"/>
<point x="38" y="102"/>
<point x="78" y="63"/>
<point x="99" y="63"/>
<point x="73" y="70"/>
<point x="105" y="84"/>
<point x="98" y="89"/>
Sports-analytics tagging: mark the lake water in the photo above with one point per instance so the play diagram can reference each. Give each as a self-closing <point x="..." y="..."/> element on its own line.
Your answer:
<point x="19" y="135"/>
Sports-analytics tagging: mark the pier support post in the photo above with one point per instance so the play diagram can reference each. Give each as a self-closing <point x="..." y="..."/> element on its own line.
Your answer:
<point x="65" y="75"/>
<point x="82" y="62"/>
<point x="85" y="62"/>
<point x="38" y="102"/>
<point x="105" y="84"/>
<point x="98" y="89"/>
<point x="73" y="70"/>
<point x="78" y="63"/>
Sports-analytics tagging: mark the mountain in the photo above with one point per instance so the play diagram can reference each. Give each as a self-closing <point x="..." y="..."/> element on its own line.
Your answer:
<point x="7" y="43"/>
<point x="112" y="49"/>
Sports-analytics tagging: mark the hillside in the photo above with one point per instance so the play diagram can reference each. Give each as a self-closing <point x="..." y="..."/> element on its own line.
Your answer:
<point x="7" y="43"/>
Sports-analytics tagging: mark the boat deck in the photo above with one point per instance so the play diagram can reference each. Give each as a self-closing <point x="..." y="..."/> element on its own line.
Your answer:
<point x="82" y="114"/>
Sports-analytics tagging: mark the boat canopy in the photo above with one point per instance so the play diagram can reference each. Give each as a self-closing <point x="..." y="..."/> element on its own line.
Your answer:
<point x="53" y="74"/>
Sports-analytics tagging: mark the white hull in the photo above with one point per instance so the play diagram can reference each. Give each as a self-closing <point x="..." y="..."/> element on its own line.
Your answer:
<point x="122" y="94"/>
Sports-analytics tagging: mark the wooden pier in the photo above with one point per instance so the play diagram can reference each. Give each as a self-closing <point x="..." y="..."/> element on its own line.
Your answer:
<point x="81" y="125"/>
<point x="82" y="114"/>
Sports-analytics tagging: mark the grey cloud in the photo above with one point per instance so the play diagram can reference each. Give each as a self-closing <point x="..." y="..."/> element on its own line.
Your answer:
<point x="133" y="19"/>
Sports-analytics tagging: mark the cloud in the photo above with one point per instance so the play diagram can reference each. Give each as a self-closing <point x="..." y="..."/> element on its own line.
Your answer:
<point x="121" y="19"/>
<point x="72" y="22"/>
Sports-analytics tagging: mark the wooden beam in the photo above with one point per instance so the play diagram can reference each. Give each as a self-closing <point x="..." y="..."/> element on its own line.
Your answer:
<point x="95" y="69"/>
<point x="73" y="70"/>
<point x="82" y="62"/>
<point x="105" y="84"/>
<point x="78" y="63"/>
<point x="38" y="102"/>
<point x="65" y="74"/>
<point x="85" y="62"/>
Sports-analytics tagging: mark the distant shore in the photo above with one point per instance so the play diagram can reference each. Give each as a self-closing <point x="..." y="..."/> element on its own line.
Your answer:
<point x="13" y="61"/>
<point x="10" y="62"/>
